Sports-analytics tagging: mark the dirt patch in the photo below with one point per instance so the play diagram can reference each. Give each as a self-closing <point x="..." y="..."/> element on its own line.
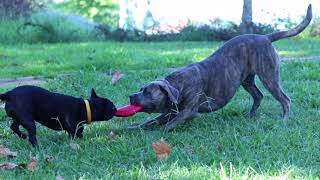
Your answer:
<point x="31" y="80"/>
<point x="307" y="58"/>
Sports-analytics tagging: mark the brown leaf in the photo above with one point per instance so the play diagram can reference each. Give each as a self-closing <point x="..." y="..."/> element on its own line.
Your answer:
<point x="6" y="152"/>
<point x="8" y="166"/>
<point x="189" y="149"/>
<point x="59" y="177"/>
<point x="162" y="149"/>
<point x="32" y="164"/>
<point x="116" y="76"/>
<point x="49" y="158"/>
<point x="75" y="146"/>
<point x="113" y="135"/>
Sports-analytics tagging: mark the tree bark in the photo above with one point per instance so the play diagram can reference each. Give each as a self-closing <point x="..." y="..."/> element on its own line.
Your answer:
<point x="246" y="26"/>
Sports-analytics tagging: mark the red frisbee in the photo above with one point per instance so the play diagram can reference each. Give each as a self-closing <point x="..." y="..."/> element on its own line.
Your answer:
<point x="128" y="110"/>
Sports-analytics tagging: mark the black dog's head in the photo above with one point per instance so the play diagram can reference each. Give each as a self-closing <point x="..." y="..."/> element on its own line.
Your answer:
<point x="101" y="108"/>
<point x="156" y="97"/>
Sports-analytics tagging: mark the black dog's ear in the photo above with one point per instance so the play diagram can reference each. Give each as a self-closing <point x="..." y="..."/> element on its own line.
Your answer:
<point x="172" y="92"/>
<point x="93" y="94"/>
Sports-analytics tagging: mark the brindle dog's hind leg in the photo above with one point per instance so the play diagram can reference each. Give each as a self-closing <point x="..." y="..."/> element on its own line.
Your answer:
<point x="270" y="77"/>
<point x="250" y="86"/>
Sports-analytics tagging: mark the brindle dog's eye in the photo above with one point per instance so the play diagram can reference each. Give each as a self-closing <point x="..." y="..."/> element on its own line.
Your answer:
<point x="146" y="93"/>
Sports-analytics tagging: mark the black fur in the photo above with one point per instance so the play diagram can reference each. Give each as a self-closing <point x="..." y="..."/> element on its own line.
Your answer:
<point x="27" y="104"/>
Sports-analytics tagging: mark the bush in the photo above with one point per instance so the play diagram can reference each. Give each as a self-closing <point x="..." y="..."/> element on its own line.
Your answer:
<point x="315" y="27"/>
<point x="13" y="9"/>
<point x="52" y="27"/>
<point x="218" y="30"/>
<point x="260" y="28"/>
<point x="8" y="31"/>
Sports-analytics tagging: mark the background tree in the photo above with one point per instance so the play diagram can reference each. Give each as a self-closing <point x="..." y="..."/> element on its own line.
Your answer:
<point x="101" y="11"/>
<point x="246" y="26"/>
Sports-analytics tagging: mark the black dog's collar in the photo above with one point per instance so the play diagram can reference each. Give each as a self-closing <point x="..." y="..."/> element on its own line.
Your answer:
<point x="89" y="115"/>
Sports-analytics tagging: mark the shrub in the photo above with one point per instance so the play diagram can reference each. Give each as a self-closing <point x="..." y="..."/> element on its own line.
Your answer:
<point x="8" y="31"/>
<point x="260" y="28"/>
<point x="52" y="27"/>
<point x="315" y="27"/>
<point x="14" y="9"/>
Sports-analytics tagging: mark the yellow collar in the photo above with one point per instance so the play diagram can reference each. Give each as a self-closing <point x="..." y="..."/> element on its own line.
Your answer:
<point x="89" y="117"/>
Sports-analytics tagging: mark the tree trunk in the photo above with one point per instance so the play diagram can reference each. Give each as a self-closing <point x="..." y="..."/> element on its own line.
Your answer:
<point x="246" y="26"/>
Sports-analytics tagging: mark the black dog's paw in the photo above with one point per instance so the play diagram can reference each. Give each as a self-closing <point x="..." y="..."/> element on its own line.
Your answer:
<point x="79" y="136"/>
<point x="23" y="136"/>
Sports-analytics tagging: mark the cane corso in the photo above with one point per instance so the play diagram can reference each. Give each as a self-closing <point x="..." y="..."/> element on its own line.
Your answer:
<point x="27" y="104"/>
<point x="209" y="85"/>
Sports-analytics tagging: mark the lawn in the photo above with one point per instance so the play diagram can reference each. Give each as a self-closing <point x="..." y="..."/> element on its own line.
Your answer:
<point x="212" y="146"/>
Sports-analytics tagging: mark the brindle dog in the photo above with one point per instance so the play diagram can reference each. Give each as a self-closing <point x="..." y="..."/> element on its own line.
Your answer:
<point x="210" y="84"/>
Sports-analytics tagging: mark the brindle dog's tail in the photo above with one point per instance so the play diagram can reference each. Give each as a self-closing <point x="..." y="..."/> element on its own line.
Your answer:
<point x="292" y="32"/>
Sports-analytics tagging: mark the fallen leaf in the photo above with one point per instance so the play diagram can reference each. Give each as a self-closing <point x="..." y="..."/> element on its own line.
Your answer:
<point x="75" y="146"/>
<point x="113" y="135"/>
<point x="23" y="165"/>
<point x="116" y="76"/>
<point x="6" y="152"/>
<point x="59" y="177"/>
<point x="8" y="166"/>
<point x="32" y="164"/>
<point x="162" y="149"/>
<point x="49" y="158"/>
<point x="189" y="149"/>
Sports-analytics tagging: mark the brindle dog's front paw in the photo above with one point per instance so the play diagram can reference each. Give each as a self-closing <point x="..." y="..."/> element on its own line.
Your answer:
<point x="170" y="126"/>
<point x="248" y="115"/>
<point x="148" y="124"/>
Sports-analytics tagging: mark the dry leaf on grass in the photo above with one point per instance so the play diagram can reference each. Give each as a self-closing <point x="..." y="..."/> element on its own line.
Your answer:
<point x="162" y="149"/>
<point x="6" y="152"/>
<point x="49" y="158"/>
<point x="113" y="135"/>
<point x="59" y="177"/>
<point x="8" y="166"/>
<point x="75" y="146"/>
<point x="32" y="164"/>
<point x="189" y="149"/>
<point x="116" y="76"/>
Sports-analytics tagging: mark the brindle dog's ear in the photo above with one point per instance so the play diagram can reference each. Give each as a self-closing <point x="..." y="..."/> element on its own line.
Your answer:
<point x="172" y="92"/>
<point x="93" y="94"/>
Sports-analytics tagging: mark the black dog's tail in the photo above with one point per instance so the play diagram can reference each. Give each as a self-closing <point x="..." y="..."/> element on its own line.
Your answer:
<point x="292" y="32"/>
<point x="3" y="97"/>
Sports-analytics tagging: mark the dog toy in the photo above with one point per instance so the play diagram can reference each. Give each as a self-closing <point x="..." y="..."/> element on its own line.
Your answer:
<point x="128" y="110"/>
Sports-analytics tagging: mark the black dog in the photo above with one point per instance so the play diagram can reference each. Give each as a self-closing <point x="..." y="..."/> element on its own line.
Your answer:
<point x="27" y="104"/>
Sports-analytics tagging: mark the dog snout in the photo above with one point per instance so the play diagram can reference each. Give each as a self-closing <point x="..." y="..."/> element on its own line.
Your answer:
<point x="135" y="99"/>
<point x="132" y="99"/>
<point x="114" y="109"/>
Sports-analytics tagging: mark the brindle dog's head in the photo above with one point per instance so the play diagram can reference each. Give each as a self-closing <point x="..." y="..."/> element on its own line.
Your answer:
<point x="156" y="97"/>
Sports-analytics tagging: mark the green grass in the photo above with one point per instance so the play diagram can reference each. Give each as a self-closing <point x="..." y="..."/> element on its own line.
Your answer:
<point x="263" y="147"/>
<point x="50" y="60"/>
